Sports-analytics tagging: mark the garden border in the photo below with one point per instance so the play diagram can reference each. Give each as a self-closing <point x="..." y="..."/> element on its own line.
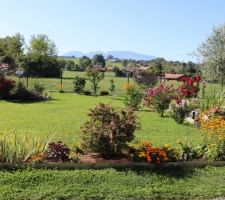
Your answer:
<point x="77" y="166"/>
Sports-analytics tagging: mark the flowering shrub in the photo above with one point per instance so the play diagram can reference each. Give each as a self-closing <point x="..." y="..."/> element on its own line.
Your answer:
<point x="108" y="130"/>
<point x="133" y="97"/>
<point x="159" y="97"/>
<point x="6" y="86"/>
<point x="190" y="87"/>
<point x="144" y="151"/>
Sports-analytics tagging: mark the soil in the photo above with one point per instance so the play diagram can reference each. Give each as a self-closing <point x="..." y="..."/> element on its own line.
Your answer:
<point x="94" y="158"/>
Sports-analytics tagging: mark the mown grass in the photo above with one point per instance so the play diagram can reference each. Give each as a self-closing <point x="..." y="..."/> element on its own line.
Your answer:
<point x="175" y="183"/>
<point x="65" y="113"/>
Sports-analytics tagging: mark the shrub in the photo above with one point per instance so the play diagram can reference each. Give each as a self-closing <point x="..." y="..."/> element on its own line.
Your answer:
<point x="104" y="93"/>
<point x="6" y="86"/>
<point x="38" y="87"/>
<point x="133" y="96"/>
<point x="108" y="130"/>
<point x="145" y="78"/>
<point x="188" y="152"/>
<point x="23" y="94"/>
<point x="112" y="86"/>
<point x="190" y="87"/>
<point x="159" y="97"/>
<point x="57" y="152"/>
<point x="180" y="111"/>
<point x="79" y="84"/>
<point x="87" y="92"/>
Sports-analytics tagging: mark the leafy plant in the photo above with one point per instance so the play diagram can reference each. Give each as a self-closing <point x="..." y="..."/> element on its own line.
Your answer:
<point x="112" y="86"/>
<point x="15" y="149"/>
<point x="133" y="96"/>
<point x="159" y="98"/>
<point x="180" y="111"/>
<point x="6" y="86"/>
<point x="39" y="87"/>
<point x="108" y="130"/>
<point x="104" y="93"/>
<point x="23" y="94"/>
<point x="79" y="84"/>
<point x="87" y="92"/>
<point x="57" y="152"/>
<point x="95" y="76"/>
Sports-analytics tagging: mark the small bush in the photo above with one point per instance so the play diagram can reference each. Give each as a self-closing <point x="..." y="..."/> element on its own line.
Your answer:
<point x="6" y="87"/>
<point x="104" y="93"/>
<point x="180" y="111"/>
<point x="133" y="97"/>
<point x="87" y="92"/>
<point x="108" y="130"/>
<point x="23" y="94"/>
<point x="38" y="87"/>
<point x="79" y="84"/>
<point x="57" y="152"/>
<point x="112" y="86"/>
<point x="159" y="98"/>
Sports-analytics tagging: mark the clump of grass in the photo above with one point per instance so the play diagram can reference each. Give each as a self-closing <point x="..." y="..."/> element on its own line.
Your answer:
<point x="17" y="149"/>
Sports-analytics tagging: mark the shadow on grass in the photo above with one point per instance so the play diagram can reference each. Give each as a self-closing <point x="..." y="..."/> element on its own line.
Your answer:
<point x="32" y="101"/>
<point x="177" y="172"/>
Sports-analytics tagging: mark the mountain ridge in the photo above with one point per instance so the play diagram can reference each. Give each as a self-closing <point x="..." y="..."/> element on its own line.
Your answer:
<point x="116" y="54"/>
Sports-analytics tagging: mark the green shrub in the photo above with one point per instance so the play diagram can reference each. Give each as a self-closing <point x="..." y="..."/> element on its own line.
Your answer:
<point x="112" y="86"/>
<point x="38" y="87"/>
<point x="87" y="92"/>
<point x="23" y="94"/>
<point x="133" y="97"/>
<point x="179" y="112"/>
<point x="108" y="130"/>
<point x="104" y="93"/>
<point x="79" y="84"/>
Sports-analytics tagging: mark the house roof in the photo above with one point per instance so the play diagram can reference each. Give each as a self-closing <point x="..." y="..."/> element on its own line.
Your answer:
<point x="173" y="76"/>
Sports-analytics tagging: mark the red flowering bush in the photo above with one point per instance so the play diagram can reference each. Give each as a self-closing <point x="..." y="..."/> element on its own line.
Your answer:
<point x="159" y="98"/>
<point x="6" y="86"/>
<point x="189" y="88"/>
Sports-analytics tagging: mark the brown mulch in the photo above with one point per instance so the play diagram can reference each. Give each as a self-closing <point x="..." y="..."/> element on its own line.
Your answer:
<point x="94" y="158"/>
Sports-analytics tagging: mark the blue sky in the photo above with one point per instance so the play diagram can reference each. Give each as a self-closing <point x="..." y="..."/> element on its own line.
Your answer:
<point x="162" y="28"/>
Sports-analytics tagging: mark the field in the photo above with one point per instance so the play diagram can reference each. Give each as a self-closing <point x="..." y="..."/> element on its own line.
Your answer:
<point x="66" y="112"/>
<point x="63" y="115"/>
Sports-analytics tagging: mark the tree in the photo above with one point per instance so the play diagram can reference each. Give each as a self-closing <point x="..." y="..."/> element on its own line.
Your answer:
<point x="70" y="65"/>
<point x="109" y="57"/>
<point x="124" y="63"/>
<point x="95" y="76"/>
<point x="42" y="58"/>
<point x="84" y="63"/>
<point x="212" y="52"/>
<point x="99" y="59"/>
<point x="12" y="51"/>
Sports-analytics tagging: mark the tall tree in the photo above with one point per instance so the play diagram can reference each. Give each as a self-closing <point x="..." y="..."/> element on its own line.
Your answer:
<point x="12" y="50"/>
<point x="99" y="59"/>
<point x="42" y="58"/>
<point x="84" y="63"/>
<point x="212" y="52"/>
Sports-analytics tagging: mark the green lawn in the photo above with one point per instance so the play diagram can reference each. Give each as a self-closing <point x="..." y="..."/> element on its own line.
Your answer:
<point x="175" y="183"/>
<point x="66" y="112"/>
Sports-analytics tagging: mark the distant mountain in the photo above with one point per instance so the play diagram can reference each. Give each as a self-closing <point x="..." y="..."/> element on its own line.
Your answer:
<point x="115" y="54"/>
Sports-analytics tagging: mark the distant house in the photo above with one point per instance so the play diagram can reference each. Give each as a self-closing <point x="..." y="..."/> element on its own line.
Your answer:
<point x="174" y="77"/>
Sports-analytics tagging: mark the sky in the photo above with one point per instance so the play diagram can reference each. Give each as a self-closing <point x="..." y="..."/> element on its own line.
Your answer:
<point x="171" y="29"/>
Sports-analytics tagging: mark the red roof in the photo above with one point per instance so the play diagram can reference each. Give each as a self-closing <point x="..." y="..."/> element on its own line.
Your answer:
<point x="173" y="76"/>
